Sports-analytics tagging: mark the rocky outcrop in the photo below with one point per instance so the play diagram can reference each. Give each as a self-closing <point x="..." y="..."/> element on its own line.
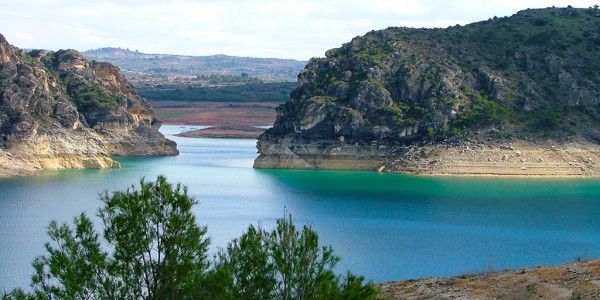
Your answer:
<point x="59" y="110"/>
<point x="531" y="77"/>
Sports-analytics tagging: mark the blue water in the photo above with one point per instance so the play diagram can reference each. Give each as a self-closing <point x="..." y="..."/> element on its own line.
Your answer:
<point x="384" y="226"/>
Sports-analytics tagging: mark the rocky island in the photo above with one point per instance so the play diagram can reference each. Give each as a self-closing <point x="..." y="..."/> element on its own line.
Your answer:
<point x="59" y="110"/>
<point x="513" y="96"/>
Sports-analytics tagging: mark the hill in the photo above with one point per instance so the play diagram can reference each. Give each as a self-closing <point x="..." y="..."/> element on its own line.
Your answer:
<point x="419" y="100"/>
<point x="59" y="110"/>
<point x="169" y="66"/>
<point x="216" y="78"/>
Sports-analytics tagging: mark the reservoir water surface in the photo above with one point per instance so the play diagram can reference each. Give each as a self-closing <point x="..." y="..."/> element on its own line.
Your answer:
<point x="384" y="226"/>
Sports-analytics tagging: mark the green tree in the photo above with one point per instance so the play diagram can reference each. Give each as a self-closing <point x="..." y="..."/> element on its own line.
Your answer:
<point x="159" y="250"/>
<point x="244" y="270"/>
<point x="75" y="267"/>
<point x="151" y="248"/>
<point x="285" y="263"/>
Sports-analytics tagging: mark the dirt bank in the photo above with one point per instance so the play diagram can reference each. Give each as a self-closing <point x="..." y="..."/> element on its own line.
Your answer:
<point x="580" y="280"/>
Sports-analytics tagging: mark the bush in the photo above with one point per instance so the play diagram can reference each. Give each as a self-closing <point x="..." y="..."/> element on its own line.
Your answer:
<point x="483" y="112"/>
<point x="401" y="114"/>
<point x="546" y="121"/>
<point x="151" y="248"/>
<point x="88" y="97"/>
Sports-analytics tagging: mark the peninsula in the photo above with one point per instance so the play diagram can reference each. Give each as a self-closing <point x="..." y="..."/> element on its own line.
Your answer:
<point x="59" y="110"/>
<point x="513" y="96"/>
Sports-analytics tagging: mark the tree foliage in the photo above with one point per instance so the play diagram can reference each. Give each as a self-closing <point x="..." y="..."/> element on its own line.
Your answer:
<point x="251" y="91"/>
<point x="285" y="263"/>
<point x="152" y="248"/>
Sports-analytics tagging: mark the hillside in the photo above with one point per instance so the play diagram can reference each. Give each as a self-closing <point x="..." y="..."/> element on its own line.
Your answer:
<point x="420" y="100"/>
<point x="167" y="65"/>
<point x="59" y="110"/>
<point x="216" y="78"/>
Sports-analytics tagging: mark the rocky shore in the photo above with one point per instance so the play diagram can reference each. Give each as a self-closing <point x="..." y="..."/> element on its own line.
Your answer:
<point x="579" y="280"/>
<point x="61" y="111"/>
<point x="466" y="158"/>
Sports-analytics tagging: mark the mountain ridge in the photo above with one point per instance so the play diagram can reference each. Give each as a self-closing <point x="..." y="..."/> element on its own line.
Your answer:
<point x="273" y="69"/>
<point x="126" y="51"/>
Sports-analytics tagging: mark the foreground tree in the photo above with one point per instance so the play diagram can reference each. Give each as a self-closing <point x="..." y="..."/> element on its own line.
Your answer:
<point x="152" y="248"/>
<point x="284" y="263"/>
<point x="157" y="251"/>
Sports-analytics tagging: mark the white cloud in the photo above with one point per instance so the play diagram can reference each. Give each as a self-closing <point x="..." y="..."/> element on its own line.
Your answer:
<point x="401" y="8"/>
<point x="264" y="28"/>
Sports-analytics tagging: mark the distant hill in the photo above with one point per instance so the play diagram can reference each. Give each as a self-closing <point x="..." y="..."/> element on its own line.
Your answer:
<point x="170" y="66"/>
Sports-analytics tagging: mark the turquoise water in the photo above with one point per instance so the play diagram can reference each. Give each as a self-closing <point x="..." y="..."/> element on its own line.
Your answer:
<point x="385" y="226"/>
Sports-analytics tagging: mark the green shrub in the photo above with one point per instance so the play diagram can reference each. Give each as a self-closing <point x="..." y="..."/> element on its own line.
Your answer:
<point x="546" y="121"/>
<point x="401" y="114"/>
<point x="431" y="133"/>
<point x="88" y="97"/>
<point x="482" y="113"/>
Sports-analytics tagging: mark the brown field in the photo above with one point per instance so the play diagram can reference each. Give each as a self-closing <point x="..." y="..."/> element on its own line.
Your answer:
<point x="230" y="132"/>
<point x="215" y="113"/>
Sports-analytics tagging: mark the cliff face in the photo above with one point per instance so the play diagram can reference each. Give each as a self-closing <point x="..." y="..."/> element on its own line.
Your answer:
<point x="58" y="110"/>
<point x="530" y="77"/>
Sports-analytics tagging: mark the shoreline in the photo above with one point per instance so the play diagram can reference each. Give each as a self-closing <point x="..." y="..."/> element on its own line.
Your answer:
<point x="471" y="160"/>
<point x="518" y="159"/>
<point x="565" y="281"/>
<point x="355" y="167"/>
<point x="12" y="165"/>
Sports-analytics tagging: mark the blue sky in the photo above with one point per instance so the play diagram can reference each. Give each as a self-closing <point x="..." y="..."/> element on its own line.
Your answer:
<point x="261" y="28"/>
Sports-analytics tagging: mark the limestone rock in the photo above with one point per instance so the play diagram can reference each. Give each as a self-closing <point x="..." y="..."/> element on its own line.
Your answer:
<point x="59" y="110"/>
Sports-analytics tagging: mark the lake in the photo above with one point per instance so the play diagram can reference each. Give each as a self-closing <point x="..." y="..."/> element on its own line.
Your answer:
<point x="384" y="226"/>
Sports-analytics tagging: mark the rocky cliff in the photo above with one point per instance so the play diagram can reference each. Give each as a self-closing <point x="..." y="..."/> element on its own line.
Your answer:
<point x="400" y="99"/>
<point x="59" y="110"/>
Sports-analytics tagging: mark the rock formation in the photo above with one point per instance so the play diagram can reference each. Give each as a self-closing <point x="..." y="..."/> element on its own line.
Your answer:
<point x="532" y="80"/>
<point x="59" y="110"/>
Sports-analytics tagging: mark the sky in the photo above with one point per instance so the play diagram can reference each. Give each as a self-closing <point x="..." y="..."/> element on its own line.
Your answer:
<point x="258" y="28"/>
